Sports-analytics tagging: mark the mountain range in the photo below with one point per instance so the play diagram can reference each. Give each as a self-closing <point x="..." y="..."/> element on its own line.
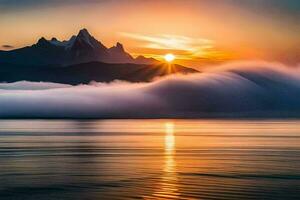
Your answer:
<point x="80" y="59"/>
<point x="78" y="49"/>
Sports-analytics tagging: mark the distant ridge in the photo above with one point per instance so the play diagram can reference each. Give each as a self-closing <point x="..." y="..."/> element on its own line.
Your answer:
<point x="80" y="48"/>
<point x="86" y="72"/>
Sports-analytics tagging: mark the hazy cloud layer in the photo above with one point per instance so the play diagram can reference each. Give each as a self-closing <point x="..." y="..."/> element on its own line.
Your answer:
<point x="248" y="89"/>
<point x="26" y="85"/>
<point x="174" y="42"/>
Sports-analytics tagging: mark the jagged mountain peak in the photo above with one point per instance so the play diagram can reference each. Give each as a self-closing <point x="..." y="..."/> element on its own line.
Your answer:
<point x="42" y="39"/>
<point x="85" y="40"/>
<point x="84" y="32"/>
<point x="54" y="39"/>
<point x="85" y="35"/>
<point x="80" y="48"/>
<point x="56" y="42"/>
<point x="42" y="42"/>
<point x="118" y="47"/>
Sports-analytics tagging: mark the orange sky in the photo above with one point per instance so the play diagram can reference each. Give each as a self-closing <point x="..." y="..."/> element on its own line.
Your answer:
<point x="197" y="32"/>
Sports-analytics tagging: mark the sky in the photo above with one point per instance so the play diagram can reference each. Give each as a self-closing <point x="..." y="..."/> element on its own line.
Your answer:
<point x="197" y="32"/>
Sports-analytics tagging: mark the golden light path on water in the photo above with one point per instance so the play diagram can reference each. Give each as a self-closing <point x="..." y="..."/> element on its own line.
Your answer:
<point x="168" y="185"/>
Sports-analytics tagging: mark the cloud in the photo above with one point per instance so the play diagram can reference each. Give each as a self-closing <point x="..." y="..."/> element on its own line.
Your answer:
<point x="174" y="42"/>
<point x="239" y="89"/>
<point x="26" y="85"/>
<point x="185" y="48"/>
<point x="6" y="46"/>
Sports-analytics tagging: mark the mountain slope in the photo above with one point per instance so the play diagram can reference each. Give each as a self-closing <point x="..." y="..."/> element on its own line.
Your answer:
<point x="93" y="71"/>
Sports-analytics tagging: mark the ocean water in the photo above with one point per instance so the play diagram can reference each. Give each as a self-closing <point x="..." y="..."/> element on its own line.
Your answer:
<point x="149" y="159"/>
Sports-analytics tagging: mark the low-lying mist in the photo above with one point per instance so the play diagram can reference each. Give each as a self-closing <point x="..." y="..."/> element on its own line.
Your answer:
<point x="239" y="89"/>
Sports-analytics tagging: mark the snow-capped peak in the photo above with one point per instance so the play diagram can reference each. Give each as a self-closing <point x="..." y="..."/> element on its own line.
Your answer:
<point x="85" y="36"/>
<point x="84" y="32"/>
<point x="56" y="42"/>
<point x="65" y="43"/>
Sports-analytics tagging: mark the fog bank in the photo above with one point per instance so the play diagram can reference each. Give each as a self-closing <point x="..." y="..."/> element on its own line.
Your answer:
<point x="238" y="89"/>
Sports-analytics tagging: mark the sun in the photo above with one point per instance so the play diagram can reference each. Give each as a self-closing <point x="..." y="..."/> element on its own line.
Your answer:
<point x="169" y="57"/>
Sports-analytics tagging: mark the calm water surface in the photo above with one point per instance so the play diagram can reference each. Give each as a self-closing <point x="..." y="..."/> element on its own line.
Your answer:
<point x="149" y="159"/>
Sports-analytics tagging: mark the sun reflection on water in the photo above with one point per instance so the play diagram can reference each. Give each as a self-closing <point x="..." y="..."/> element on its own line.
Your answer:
<point x="168" y="184"/>
<point x="169" y="139"/>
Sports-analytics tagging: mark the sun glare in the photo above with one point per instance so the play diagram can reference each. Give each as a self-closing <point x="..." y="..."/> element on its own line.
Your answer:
<point x="169" y="57"/>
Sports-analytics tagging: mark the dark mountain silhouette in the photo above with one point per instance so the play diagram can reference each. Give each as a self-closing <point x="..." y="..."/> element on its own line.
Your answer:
<point x="78" y="49"/>
<point x="119" y="55"/>
<point x="81" y="59"/>
<point x="87" y="72"/>
<point x="144" y="60"/>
